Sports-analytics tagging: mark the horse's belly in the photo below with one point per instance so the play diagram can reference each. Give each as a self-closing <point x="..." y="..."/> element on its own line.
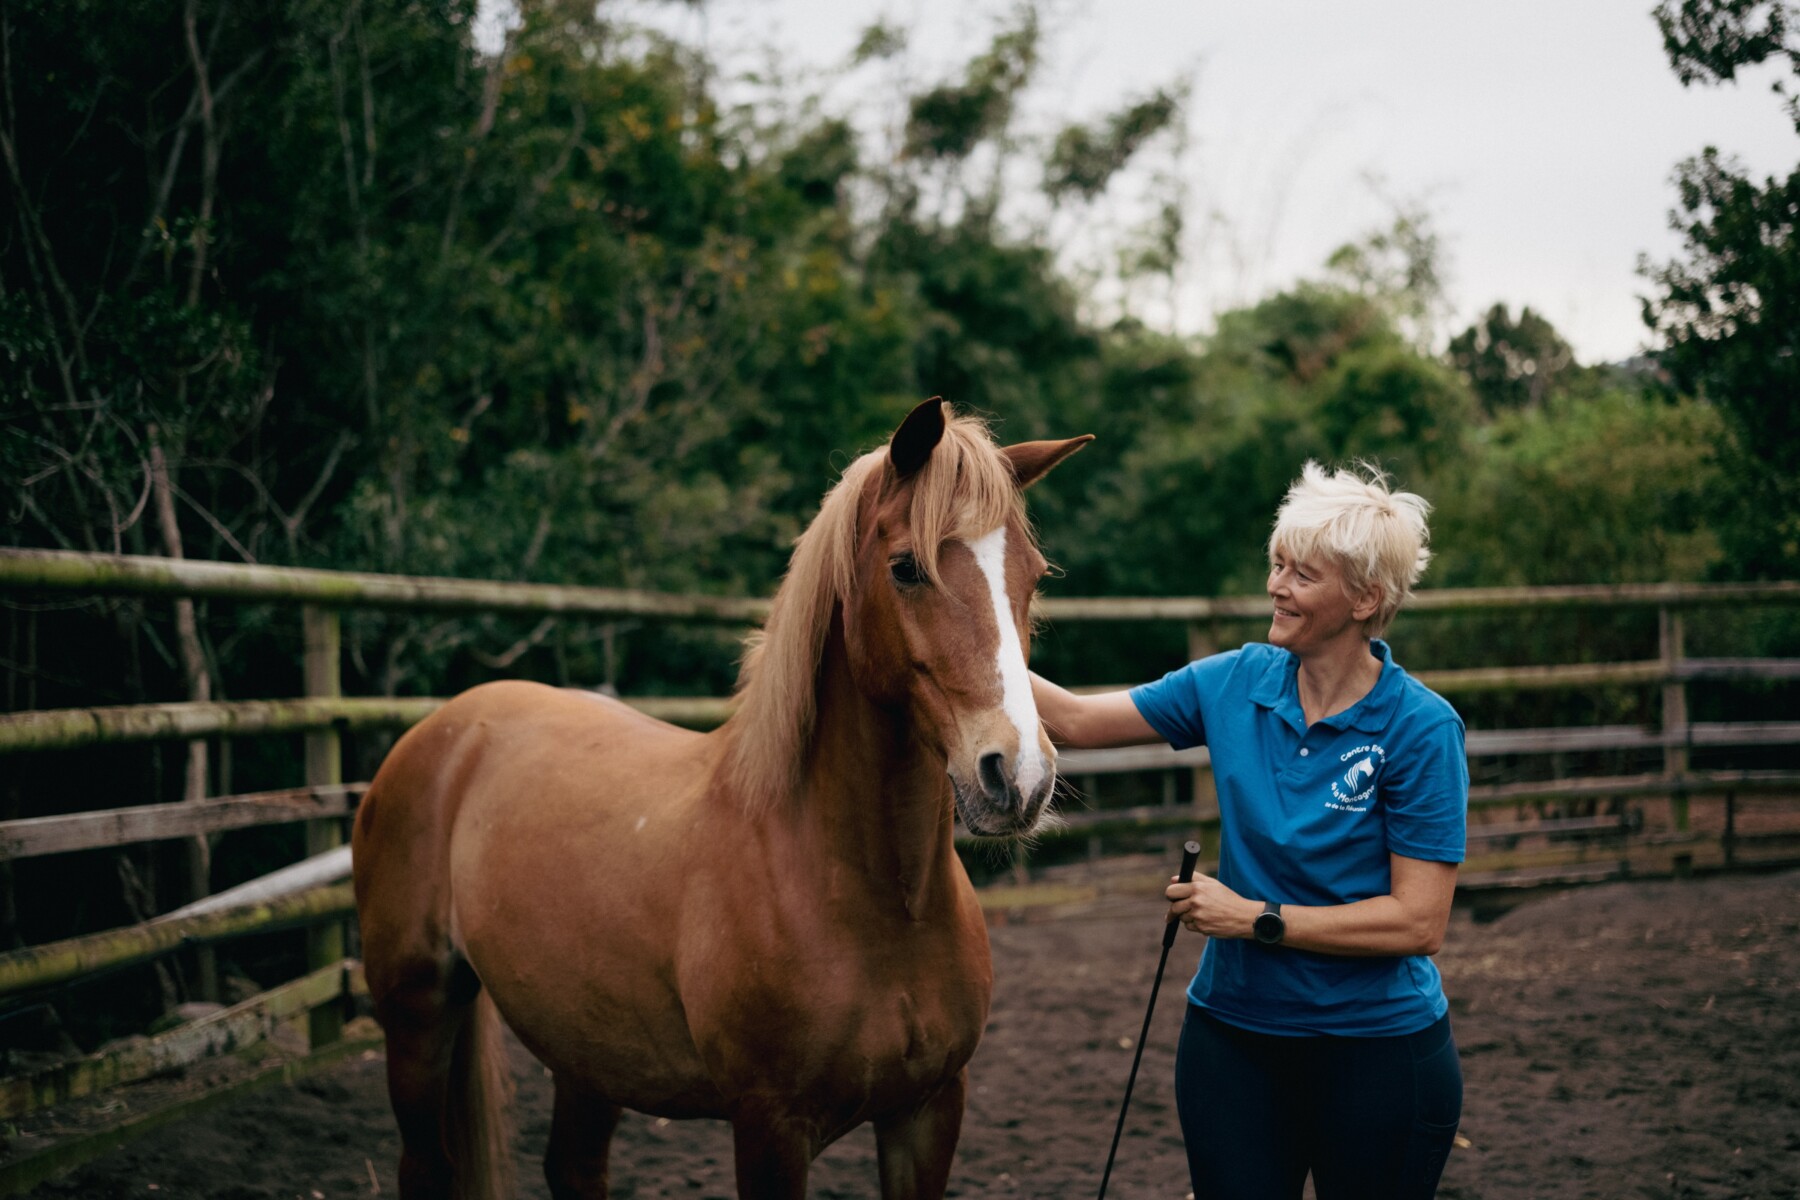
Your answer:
<point x="638" y="1057"/>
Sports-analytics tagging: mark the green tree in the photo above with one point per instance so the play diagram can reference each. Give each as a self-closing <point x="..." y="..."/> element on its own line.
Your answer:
<point x="1728" y="311"/>
<point x="1400" y="268"/>
<point x="1607" y="485"/>
<point x="1512" y="363"/>
<point x="1314" y="372"/>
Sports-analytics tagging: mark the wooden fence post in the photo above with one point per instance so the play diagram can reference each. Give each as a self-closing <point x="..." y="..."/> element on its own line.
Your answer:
<point x="324" y="768"/>
<point x="1203" y="640"/>
<point x="1676" y="733"/>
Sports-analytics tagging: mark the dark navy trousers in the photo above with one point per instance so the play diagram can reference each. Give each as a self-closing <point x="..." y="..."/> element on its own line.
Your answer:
<point x="1371" y="1118"/>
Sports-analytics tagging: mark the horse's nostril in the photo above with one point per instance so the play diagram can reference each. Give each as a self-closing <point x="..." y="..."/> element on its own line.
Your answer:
<point x="993" y="774"/>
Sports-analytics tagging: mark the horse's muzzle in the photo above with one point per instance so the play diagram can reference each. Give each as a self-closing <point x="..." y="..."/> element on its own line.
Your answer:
<point x="993" y="804"/>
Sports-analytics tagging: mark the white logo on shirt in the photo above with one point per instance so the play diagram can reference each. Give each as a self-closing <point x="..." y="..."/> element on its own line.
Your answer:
<point x="1353" y="791"/>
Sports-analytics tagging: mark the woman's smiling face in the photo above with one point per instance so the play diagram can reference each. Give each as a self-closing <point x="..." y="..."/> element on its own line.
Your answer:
<point x="1313" y="609"/>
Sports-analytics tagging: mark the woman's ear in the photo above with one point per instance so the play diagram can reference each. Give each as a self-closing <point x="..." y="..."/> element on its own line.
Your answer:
<point x="1368" y="604"/>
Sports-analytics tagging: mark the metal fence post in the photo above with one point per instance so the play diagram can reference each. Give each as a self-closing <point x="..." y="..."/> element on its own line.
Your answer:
<point x="1675" y="730"/>
<point x="324" y="768"/>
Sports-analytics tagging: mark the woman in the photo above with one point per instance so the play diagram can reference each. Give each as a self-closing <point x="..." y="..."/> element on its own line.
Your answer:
<point x="1317" y="1037"/>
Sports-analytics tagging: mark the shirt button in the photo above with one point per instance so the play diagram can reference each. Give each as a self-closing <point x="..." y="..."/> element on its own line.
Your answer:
<point x="1304" y="752"/>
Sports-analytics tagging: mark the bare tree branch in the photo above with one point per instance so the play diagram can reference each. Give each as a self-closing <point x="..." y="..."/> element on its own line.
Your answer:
<point x="540" y="184"/>
<point x="514" y="652"/>
<point x="165" y="186"/>
<point x="490" y="104"/>
<point x="199" y="681"/>
<point x="209" y="150"/>
<point x="368" y="97"/>
<point x="218" y="526"/>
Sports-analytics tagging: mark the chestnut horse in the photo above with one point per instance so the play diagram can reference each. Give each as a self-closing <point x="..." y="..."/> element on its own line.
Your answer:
<point x="767" y="923"/>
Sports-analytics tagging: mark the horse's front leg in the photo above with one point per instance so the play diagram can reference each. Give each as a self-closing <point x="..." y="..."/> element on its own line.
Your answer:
<point x="773" y="1151"/>
<point x="581" y="1130"/>
<point x="915" y="1148"/>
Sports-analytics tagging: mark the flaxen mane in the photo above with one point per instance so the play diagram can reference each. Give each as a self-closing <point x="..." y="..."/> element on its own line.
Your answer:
<point x="965" y="489"/>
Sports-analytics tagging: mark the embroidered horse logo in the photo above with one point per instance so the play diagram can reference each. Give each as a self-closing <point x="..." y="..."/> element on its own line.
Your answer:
<point x="1364" y="769"/>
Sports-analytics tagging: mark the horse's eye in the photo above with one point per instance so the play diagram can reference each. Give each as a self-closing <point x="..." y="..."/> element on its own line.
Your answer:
<point x="905" y="570"/>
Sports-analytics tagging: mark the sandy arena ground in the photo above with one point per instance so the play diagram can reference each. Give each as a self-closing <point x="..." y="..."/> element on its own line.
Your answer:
<point x="1629" y="1040"/>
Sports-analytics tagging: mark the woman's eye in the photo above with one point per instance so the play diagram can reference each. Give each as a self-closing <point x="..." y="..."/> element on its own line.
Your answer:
<point x="905" y="570"/>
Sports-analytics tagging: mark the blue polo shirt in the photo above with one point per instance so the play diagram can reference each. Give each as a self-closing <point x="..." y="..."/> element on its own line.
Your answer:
<point x="1309" y="816"/>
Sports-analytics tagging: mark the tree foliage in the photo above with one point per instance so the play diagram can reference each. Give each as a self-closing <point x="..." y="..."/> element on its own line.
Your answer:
<point x="1085" y="158"/>
<point x="378" y="298"/>
<point x="1512" y="363"/>
<point x="1728" y="311"/>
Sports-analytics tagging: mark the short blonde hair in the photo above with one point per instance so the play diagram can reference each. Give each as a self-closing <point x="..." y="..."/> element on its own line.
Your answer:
<point x="1372" y="534"/>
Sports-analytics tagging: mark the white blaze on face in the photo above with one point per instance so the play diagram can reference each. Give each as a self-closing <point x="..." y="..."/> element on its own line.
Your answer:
<point x="1015" y="684"/>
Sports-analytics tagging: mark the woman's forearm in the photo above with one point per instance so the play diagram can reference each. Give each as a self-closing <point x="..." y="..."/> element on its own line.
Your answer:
<point x="1410" y="920"/>
<point x="1090" y="722"/>
<point x="1380" y="925"/>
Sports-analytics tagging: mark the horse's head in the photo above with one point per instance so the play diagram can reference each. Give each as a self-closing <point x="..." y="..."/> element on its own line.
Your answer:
<point x="921" y="562"/>
<point x="937" y="616"/>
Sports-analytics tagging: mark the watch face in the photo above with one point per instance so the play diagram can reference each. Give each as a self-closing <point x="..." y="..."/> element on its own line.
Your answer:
<point x="1269" y="927"/>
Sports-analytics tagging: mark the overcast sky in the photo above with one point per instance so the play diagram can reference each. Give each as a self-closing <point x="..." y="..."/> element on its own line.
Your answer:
<point x="1540" y="135"/>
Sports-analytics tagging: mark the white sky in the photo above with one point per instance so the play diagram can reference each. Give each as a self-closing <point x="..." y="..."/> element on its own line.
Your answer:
<point x="1540" y="135"/>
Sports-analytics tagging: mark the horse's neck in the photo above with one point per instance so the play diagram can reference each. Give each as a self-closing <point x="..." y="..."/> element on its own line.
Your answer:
<point x="877" y="797"/>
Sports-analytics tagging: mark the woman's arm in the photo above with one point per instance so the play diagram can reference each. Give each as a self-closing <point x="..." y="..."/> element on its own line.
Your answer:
<point x="1090" y="722"/>
<point x="1411" y="919"/>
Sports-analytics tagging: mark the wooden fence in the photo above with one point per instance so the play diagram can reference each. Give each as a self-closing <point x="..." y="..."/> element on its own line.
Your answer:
<point x="1575" y="844"/>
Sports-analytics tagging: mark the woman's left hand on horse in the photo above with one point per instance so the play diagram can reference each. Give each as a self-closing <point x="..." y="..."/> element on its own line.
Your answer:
<point x="1207" y="906"/>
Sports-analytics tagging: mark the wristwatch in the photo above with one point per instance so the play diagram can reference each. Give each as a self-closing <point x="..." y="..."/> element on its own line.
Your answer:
<point x="1269" y="928"/>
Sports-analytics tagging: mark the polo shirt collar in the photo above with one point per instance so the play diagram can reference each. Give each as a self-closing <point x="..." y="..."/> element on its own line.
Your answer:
<point x="1279" y="691"/>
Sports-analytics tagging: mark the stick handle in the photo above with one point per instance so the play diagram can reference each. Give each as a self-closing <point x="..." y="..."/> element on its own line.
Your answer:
<point x="1190" y="855"/>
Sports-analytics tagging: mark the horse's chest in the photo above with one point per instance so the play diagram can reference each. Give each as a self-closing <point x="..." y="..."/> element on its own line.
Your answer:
<point x="934" y="1035"/>
<point x="862" y="1023"/>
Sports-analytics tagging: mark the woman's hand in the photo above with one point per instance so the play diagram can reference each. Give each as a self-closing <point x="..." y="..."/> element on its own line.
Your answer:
<point x="1207" y="906"/>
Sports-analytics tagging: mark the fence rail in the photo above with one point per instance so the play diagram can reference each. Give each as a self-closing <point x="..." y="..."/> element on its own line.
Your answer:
<point x="35" y="836"/>
<point x="36" y="967"/>
<point x="136" y="575"/>
<point x="74" y="728"/>
<point x="245" y="1024"/>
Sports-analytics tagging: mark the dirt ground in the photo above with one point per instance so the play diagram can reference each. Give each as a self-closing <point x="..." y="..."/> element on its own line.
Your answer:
<point x="1628" y="1040"/>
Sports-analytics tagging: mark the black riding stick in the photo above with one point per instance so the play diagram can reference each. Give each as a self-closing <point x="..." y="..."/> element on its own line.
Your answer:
<point x="1190" y="854"/>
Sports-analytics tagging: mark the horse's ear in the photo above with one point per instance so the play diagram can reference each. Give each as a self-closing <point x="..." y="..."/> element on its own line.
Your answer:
<point x="917" y="437"/>
<point x="1031" y="461"/>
